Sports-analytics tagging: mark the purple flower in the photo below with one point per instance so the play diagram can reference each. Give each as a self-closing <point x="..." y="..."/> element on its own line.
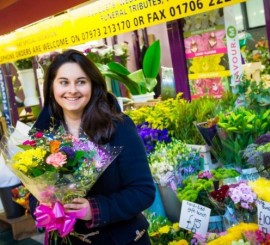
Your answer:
<point x="69" y="151"/>
<point x="263" y="139"/>
<point x="151" y="136"/>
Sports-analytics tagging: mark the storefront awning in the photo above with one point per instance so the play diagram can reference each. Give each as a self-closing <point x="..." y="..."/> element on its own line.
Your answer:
<point x="15" y="14"/>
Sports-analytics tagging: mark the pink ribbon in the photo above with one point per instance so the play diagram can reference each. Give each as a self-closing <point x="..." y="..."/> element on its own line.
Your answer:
<point x="55" y="218"/>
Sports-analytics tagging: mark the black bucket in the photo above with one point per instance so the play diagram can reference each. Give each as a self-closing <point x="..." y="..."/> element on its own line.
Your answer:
<point x="11" y="208"/>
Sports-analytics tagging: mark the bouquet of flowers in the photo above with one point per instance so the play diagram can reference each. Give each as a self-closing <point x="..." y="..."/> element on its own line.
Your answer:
<point x="241" y="202"/>
<point x="57" y="167"/>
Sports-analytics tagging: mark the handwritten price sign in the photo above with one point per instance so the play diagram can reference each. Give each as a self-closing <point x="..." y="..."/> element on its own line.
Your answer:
<point x="194" y="217"/>
<point x="264" y="216"/>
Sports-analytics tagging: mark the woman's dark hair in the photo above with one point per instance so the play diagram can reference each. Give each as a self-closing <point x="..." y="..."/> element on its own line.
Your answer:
<point x="102" y="109"/>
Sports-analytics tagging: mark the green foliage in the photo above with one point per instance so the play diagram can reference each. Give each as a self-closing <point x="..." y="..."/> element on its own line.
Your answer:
<point x="163" y="232"/>
<point x="256" y="94"/>
<point x="141" y="81"/>
<point x="236" y="130"/>
<point x="177" y="115"/>
<point x="192" y="187"/>
<point x="24" y="64"/>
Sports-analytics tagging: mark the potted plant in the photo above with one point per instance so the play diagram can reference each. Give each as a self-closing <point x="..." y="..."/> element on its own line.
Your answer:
<point x="140" y="82"/>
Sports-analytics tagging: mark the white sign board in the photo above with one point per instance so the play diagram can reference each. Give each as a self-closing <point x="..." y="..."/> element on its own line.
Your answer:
<point x="264" y="216"/>
<point x="194" y="217"/>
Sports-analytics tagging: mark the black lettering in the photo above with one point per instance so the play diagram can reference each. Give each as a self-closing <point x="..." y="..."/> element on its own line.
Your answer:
<point x="141" y="20"/>
<point x="219" y="1"/>
<point x="162" y="14"/>
<point x="211" y="3"/>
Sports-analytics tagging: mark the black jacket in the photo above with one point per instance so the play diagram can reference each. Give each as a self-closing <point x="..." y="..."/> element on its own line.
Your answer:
<point x="122" y="192"/>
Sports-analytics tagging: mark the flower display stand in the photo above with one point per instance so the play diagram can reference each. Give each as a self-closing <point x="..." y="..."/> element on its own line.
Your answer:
<point x="22" y="227"/>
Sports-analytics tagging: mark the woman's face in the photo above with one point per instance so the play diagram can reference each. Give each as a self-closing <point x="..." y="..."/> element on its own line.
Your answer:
<point x="72" y="89"/>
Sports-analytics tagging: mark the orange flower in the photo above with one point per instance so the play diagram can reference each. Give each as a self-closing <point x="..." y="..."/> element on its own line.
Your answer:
<point x="54" y="146"/>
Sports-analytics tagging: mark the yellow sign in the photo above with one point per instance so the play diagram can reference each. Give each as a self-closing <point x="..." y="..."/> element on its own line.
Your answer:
<point x="98" y="20"/>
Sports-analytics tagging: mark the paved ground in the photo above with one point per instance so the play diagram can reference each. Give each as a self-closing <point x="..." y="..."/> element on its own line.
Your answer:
<point x="7" y="239"/>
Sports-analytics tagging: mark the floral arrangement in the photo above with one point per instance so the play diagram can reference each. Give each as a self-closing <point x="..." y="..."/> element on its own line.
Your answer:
<point x="242" y="200"/>
<point x="236" y="131"/>
<point x="172" y="162"/>
<point x="151" y="136"/>
<point x="192" y="186"/>
<point x="234" y="234"/>
<point x="57" y="167"/>
<point x="257" y="154"/>
<point x="163" y="232"/>
<point x="177" y="115"/>
<point x="20" y="195"/>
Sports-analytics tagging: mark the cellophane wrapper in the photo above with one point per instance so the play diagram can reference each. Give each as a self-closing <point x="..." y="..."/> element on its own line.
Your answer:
<point x="59" y="183"/>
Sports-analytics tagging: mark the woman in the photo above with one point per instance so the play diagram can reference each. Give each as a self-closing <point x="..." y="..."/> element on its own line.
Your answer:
<point x="75" y="96"/>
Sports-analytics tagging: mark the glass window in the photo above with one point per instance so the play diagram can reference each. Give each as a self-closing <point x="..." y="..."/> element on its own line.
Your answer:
<point x="238" y="17"/>
<point x="255" y="13"/>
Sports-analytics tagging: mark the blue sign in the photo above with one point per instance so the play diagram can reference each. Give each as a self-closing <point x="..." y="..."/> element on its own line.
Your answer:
<point x="5" y="102"/>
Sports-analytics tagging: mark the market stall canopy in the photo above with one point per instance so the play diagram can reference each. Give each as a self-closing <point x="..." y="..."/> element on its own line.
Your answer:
<point x="87" y="22"/>
<point x="18" y="13"/>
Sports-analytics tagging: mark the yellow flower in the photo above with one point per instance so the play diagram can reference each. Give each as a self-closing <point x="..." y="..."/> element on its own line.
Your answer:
<point x="28" y="159"/>
<point x="176" y="227"/>
<point x="180" y="242"/>
<point x="164" y="229"/>
<point x="234" y="233"/>
<point x="261" y="188"/>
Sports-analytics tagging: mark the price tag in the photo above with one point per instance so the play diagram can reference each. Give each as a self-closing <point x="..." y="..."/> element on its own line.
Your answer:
<point x="264" y="216"/>
<point x="194" y="217"/>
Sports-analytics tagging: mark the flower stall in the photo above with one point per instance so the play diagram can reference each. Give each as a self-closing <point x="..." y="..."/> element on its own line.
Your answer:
<point x="234" y="189"/>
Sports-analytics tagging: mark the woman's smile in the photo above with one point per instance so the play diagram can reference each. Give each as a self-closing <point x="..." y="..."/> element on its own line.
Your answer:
<point x="72" y="88"/>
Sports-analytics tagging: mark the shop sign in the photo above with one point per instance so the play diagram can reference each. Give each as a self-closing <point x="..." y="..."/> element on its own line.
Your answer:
<point x="5" y="102"/>
<point x="233" y="46"/>
<point x="98" y="20"/>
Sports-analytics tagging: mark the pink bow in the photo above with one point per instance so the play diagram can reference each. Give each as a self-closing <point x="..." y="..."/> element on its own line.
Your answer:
<point x="55" y="218"/>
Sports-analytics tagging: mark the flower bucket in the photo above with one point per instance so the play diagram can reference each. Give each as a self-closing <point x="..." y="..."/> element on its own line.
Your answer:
<point x="11" y="208"/>
<point x="142" y="97"/>
<point x="157" y="206"/>
<point x="172" y="205"/>
<point x="28" y="83"/>
<point x="216" y="224"/>
<point x="250" y="174"/>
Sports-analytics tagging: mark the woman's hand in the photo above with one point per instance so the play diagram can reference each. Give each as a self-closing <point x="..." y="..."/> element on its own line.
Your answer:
<point x="78" y="204"/>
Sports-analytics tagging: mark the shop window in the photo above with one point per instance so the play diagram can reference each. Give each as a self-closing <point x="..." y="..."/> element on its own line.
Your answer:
<point x="249" y="15"/>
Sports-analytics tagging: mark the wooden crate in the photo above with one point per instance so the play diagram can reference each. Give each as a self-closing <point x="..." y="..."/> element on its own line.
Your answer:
<point x="22" y="227"/>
